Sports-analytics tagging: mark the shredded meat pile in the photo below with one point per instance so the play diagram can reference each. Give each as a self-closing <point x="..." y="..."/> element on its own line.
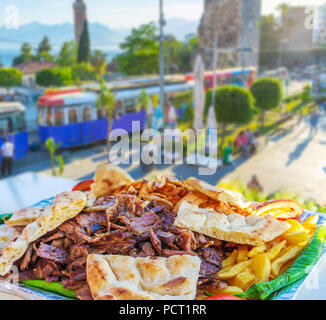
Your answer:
<point x="124" y="224"/>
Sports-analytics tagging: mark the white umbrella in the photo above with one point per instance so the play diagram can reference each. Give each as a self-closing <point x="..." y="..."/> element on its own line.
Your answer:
<point x="199" y="92"/>
<point x="211" y="119"/>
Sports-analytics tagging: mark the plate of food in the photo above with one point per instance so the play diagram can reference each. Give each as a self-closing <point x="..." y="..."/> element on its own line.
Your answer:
<point x="114" y="238"/>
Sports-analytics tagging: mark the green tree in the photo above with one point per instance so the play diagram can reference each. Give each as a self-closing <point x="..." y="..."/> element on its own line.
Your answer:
<point x="306" y="94"/>
<point x="54" y="77"/>
<point x="26" y="54"/>
<point x="187" y="53"/>
<point x="43" y="51"/>
<point x="269" y="41"/>
<point x="52" y="148"/>
<point x="84" y="72"/>
<point x="233" y="105"/>
<point x="98" y="61"/>
<point x="172" y="54"/>
<point x="68" y="54"/>
<point x="283" y="8"/>
<point x="84" y="45"/>
<point x="268" y="94"/>
<point x="140" y="51"/>
<point x="106" y="103"/>
<point x="10" y="77"/>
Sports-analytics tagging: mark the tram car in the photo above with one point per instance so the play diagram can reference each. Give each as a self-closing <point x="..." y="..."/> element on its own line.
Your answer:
<point x="70" y="115"/>
<point x="233" y="76"/>
<point x="13" y="126"/>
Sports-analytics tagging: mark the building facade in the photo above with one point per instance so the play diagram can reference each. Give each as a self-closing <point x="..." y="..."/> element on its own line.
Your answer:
<point x="319" y="29"/>
<point x="80" y="14"/>
<point x="236" y="24"/>
<point x="296" y="36"/>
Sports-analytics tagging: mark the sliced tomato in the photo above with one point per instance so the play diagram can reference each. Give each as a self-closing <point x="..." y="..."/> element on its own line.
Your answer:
<point x="222" y="297"/>
<point x="84" y="185"/>
<point x="281" y="209"/>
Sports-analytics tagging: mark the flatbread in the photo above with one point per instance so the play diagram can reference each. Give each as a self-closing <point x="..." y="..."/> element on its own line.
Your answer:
<point x="65" y="206"/>
<point x="115" y="277"/>
<point x="109" y="178"/>
<point x="229" y="198"/>
<point x="7" y="234"/>
<point x="253" y="230"/>
<point x="23" y="217"/>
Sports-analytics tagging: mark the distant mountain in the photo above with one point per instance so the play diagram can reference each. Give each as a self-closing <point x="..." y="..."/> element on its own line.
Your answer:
<point x="34" y="32"/>
<point x="101" y="35"/>
<point x="180" y="28"/>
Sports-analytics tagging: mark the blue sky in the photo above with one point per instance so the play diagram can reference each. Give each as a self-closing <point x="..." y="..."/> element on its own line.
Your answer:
<point x="118" y="13"/>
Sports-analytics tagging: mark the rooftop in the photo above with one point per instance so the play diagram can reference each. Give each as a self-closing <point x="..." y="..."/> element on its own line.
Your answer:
<point x="33" y="67"/>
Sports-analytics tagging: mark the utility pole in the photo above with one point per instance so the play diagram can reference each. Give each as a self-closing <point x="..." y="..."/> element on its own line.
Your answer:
<point x="162" y="24"/>
<point x="214" y="67"/>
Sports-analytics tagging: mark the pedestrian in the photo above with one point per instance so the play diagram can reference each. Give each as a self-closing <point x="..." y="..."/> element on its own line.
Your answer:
<point x="254" y="184"/>
<point x="242" y="143"/>
<point x="314" y="117"/>
<point x="7" y="152"/>
<point x="253" y="142"/>
<point x="172" y="117"/>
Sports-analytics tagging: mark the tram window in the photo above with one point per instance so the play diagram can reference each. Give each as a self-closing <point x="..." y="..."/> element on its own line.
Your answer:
<point x="18" y="122"/>
<point x="40" y="116"/>
<point x="73" y="116"/>
<point x="207" y="83"/>
<point x="101" y="113"/>
<point x="59" y="117"/>
<point x="4" y="126"/>
<point x="48" y="116"/>
<point x="119" y="108"/>
<point x="130" y="105"/>
<point x="87" y="114"/>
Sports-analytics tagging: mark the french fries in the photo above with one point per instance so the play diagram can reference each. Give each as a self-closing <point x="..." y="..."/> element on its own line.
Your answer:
<point x="242" y="253"/>
<point x="247" y="265"/>
<point x="261" y="267"/>
<point x="231" y="272"/>
<point x="244" y="279"/>
<point x="288" y="254"/>
<point x="296" y="237"/>
<point x="228" y="290"/>
<point x="257" y="250"/>
<point x="230" y="260"/>
<point x="273" y="252"/>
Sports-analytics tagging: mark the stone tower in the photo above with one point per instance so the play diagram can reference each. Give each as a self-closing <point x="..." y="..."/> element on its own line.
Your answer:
<point x="79" y="17"/>
<point x="236" y="23"/>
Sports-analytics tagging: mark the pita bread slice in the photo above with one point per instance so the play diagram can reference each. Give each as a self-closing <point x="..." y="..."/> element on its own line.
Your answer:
<point x="7" y="233"/>
<point x="230" y="198"/>
<point x="65" y="206"/>
<point x="109" y="178"/>
<point x="253" y="230"/>
<point x="115" y="277"/>
<point x="23" y="217"/>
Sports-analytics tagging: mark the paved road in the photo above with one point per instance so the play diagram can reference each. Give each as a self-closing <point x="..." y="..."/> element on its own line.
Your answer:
<point x="293" y="161"/>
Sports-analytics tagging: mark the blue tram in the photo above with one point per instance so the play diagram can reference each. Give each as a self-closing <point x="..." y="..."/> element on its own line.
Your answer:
<point x="12" y="126"/>
<point x="71" y="117"/>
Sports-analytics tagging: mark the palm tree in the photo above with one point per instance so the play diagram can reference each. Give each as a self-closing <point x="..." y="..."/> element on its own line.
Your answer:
<point x="98" y="61"/>
<point x="106" y="103"/>
<point x="283" y="8"/>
